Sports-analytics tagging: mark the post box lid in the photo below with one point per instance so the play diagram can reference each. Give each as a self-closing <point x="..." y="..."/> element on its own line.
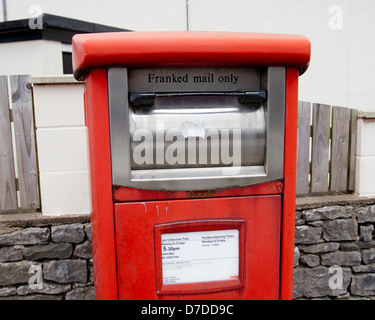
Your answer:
<point x="187" y="48"/>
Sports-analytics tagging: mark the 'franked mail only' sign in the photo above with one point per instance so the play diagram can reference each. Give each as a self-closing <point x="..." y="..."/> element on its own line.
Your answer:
<point x="209" y="77"/>
<point x="194" y="79"/>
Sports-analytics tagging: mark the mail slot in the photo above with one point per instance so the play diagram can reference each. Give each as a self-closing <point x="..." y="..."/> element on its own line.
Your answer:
<point x="192" y="142"/>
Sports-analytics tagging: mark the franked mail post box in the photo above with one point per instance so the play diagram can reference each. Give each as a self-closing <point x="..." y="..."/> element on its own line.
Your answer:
<point x="192" y="141"/>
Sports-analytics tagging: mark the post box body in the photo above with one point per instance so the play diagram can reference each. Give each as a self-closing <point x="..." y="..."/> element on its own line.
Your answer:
<point x="192" y="142"/>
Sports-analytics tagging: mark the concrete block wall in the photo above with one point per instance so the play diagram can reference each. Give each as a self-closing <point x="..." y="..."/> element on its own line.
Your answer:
<point x="43" y="57"/>
<point x="365" y="168"/>
<point x="61" y="137"/>
<point x="62" y="147"/>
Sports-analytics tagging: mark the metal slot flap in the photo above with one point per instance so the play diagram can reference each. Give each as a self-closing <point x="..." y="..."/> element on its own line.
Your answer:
<point x="148" y="98"/>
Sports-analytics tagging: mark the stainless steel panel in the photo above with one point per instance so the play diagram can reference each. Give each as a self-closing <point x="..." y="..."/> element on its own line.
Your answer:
<point x="189" y="120"/>
<point x="274" y="81"/>
<point x="119" y="124"/>
<point x="206" y="132"/>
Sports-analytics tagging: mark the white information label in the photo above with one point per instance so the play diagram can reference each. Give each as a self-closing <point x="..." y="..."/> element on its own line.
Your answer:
<point x="200" y="256"/>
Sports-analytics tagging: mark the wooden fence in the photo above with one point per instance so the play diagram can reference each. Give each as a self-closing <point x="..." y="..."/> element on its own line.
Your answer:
<point x="326" y="148"/>
<point x="19" y="185"/>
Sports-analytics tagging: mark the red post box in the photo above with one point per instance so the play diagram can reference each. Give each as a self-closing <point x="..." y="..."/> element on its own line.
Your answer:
<point x="192" y="142"/>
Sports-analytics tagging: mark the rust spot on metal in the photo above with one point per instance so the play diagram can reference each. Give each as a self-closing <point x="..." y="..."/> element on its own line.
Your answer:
<point x="279" y="186"/>
<point x="201" y="193"/>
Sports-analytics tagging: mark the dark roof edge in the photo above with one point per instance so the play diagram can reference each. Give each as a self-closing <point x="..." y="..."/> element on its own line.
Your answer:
<point x="49" y="27"/>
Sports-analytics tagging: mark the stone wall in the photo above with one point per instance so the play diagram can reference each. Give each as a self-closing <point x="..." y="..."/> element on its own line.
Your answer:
<point x="46" y="261"/>
<point x="50" y="258"/>
<point x="335" y="253"/>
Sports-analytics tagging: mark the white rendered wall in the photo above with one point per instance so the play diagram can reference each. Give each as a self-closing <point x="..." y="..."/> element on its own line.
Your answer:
<point x="341" y="71"/>
<point x="341" y="32"/>
<point x="36" y="57"/>
<point x="61" y="145"/>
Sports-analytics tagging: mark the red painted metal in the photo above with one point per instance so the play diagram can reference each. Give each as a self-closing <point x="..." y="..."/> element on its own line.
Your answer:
<point x="289" y="203"/>
<point x="121" y="194"/>
<point x="126" y="259"/>
<point x="136" y="254"/>
<point x="102" y="217"/>
<point x="165" y="49"/>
